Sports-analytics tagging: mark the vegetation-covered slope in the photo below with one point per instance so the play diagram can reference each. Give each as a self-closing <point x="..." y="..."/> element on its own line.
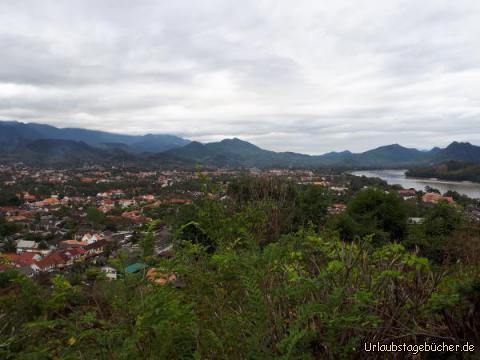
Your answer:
<point x="266" y="274"/>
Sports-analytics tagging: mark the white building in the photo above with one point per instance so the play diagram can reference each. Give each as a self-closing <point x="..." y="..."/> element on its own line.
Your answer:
<point x="26" y="246"/>
<point x="110" y="272"/>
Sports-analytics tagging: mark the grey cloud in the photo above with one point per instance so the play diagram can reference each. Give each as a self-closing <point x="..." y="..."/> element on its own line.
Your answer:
<point x="309" y="77"/>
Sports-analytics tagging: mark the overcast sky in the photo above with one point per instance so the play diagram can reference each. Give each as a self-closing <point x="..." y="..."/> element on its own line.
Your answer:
<point x="305" y="76"/>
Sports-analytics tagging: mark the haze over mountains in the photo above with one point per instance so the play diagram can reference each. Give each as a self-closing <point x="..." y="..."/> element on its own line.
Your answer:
<point x="47" y="145"/>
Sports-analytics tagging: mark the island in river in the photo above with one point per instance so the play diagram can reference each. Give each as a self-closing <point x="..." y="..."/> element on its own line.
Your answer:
<point x="399" y="177"/>
<point x="451" y="171"/>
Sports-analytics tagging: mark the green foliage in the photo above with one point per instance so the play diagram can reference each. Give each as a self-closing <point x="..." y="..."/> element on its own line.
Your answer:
<point x="94" y="274"/>
<point x="257" y="277"/>
<point x="373" y="212"/>
<point x="312" y="207"/>
<point x="7" y="229"/>
<point x="148" y="244"/>
<point x="7" y="276"/>
<point x="9" y="198"/>
<point x="194" y="233"/>
<point x="450" y="170"/>
<point x="441" y="222"/>
<point x="96" y="217"/>
<point x="120" y="320"/>
<point x="9" y="246"/>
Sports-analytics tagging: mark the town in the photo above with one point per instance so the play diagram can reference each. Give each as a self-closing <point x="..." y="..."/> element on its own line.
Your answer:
<point x="55" y="220"/>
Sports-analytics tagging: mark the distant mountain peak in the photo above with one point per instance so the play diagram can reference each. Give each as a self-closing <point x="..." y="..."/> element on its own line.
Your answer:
<point x="344" y="152"/>
<point x="193" y="144"/>
<point x="238" y="142"/>
<point x="459" y="144"/>
<point x="459" y="151"/>
<point x="392" y="146"/>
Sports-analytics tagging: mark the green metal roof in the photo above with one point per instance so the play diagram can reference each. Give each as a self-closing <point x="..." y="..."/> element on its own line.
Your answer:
<point x="136" y="267"/>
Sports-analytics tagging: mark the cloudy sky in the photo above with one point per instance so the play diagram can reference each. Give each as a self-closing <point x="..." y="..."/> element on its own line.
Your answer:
<point x="306" y="76"/>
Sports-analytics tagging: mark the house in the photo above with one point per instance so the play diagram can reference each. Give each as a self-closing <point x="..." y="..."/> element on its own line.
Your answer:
<point x="23" y="259"/>
<point x="339" y="190"/>
<point x="54" y="261"/>
<point x="70" y="244"/>
<point x="415" y="220"/>
<point x="124" y="203"/>
<point x="473" y="212"/>
<point x="177" y="201"/>
<point x="28" y="197"/>
<point x="90" y="239"/>
<point x="27" y="246"/>
<point x="52" y="201"/>
<point x="116" y="193"/>
<point x="108" y="203"/>
<point x="8" y="210"/>
<point x="73" y="255"/>
<point x="337" y="209"/>
<point x="120" y="237"/>
<point x="87" y="180"/>
<point x="148" y="197"/>
<point x="110" y="272"/>
<point x="135" y="217"/>
<point x="434" y="198"/>
<point x="408" y="194"/>
<point x="17" y="219"/>
<point x="96" y="248"/>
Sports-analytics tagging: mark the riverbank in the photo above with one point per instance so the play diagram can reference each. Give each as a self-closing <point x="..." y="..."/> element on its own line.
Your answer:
<point x="398" y="177"/>
<point x="450" y="171"/>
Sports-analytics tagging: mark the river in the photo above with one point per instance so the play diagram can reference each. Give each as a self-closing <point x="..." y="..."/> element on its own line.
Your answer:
<point x="398" y="177"/>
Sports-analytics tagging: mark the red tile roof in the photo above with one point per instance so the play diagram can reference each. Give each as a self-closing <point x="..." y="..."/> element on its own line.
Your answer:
<point x="24" y="259"/>
<point x="53" y="260"/>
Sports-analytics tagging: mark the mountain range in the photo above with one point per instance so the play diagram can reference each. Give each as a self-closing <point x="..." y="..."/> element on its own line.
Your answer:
<point x="14" y="133"/>
<point x="46" y="145"/>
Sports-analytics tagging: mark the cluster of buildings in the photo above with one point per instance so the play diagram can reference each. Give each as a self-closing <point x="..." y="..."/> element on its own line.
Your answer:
<point x="427" y="198"/>
<point x="127" y="199"/>
<point x="30" y="258"/>
<point x="55" y="230"/>
<point x="434" y="198"/>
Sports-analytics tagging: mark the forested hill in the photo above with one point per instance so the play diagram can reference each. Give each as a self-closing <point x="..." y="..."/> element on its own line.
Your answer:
<point x="38" y="144"/>
<point x="236" y="152"/>
<point x="451" y="170"/>
<point x="14" y="133"/>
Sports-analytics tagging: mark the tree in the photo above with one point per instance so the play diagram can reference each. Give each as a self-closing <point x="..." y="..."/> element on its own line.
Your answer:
<point x="312" y="206"/>
<point x="429" y="189"/>
<point x="43" y="245"/>
<point x="442" y="220"/>
<point x="148" y="244"/>
<point x="440" y="223"/>
<point x="8" y="228"/>
<point x="10" y="246"/>
<point x="194" y="233"/>
<point x="374" y="212"/>
<point x="95" y="217"/>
